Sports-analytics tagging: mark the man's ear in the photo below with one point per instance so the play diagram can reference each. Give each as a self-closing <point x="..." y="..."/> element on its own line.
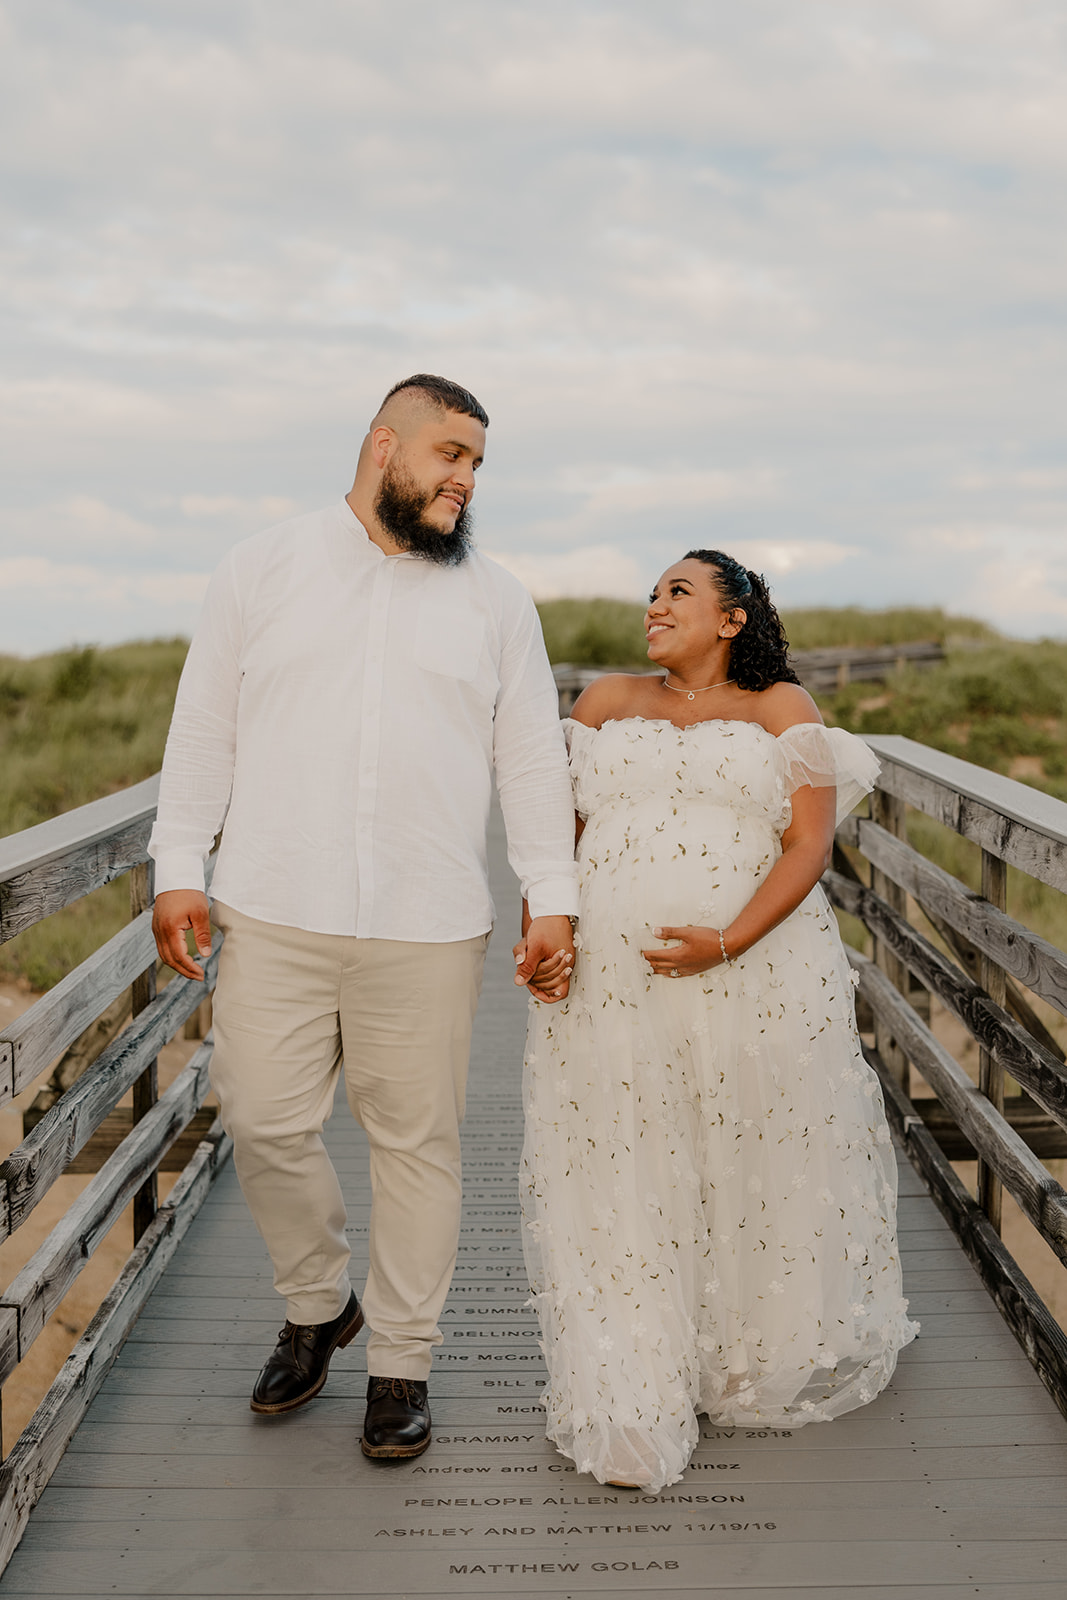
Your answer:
<point x="383" y="442"/>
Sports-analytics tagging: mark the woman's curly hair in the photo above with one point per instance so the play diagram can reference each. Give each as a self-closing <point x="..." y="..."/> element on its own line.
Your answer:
<point x="759" y="653"/>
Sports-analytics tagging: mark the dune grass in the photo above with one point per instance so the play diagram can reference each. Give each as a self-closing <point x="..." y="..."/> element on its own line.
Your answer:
<point x="82" y="724"/>
<point x="1002" y="707"/>
<point x="75" y="726"/>
<point x="610" y="633"/>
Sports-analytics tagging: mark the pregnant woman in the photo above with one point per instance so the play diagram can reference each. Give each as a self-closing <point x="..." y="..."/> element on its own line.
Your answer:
<point x="709" y="1190"/>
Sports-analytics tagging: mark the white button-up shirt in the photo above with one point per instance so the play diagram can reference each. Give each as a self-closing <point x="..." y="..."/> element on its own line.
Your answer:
<point x="344" y="711"/>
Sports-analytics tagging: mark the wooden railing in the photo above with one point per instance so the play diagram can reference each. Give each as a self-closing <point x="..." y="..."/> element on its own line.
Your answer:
<point x="41" y="871"/>
<point x="986" y="969"/>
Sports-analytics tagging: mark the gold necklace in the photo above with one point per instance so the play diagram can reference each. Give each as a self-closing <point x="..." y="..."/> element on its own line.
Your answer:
<point x="692" y="693"/>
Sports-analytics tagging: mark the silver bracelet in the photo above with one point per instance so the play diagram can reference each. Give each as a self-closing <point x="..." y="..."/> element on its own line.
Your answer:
<point x="722" y="946"/>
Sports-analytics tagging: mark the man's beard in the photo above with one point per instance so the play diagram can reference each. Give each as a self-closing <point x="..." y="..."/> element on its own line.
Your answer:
<point x="400" y="506"/>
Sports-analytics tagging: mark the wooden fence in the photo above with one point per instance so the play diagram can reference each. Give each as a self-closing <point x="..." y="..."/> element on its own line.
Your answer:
<point x="41" y="871"/>
<point x="985" y="968"/>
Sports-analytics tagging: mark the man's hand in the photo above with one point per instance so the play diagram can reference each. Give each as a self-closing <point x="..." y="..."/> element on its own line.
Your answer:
<point x="544" y="958"/>
<point x="176" y="911"/>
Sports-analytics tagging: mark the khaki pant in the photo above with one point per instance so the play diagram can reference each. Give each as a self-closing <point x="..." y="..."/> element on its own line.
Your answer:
<point x="291" y="1008"/>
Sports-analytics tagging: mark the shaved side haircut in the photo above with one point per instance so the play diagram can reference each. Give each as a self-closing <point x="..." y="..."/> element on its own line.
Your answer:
<point x="440" y="393"/>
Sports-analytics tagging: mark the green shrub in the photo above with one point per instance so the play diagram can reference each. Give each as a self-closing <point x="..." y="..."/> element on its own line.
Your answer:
<point x="820" y="628"/>
<point x="990" y="707"/>
<point x="595" y="633"/>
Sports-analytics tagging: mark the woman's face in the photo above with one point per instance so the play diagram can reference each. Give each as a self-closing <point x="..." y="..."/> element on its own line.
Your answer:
<point x="685" y="616"/>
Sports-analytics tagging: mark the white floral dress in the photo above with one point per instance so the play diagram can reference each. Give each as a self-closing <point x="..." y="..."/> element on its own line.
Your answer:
<point x="708" y="1186"/>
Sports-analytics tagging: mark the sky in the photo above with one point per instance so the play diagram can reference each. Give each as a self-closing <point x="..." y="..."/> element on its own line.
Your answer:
<point x="781" y="277"/>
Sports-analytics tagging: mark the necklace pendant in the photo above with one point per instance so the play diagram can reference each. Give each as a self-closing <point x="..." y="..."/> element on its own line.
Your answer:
<point x="692" y="696"/>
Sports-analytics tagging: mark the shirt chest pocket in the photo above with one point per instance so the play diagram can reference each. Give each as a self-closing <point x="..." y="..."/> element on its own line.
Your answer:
<point x="449" y="639"/>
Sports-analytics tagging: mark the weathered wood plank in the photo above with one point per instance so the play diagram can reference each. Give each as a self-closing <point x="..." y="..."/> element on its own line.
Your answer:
<point x="1008" y="1589"/>
<point x="1028" y="1179"/>
<point x="84" y="1507"/>
<point x="993" y="980"/>
<point x="146" y="1086"/>
<point x="48" y="867"/>
<point x="62" y="1015"/>
<point x="888" y="811"/>
<point x="32" y="1168"/>
<point x="484" y="1441"/>
<point x="339" y="1464"/>
<point x="800" y="1564"/>
<point x="9" y="1338"/>
<point x="42" y="1444"/>
<point x="1029" y="958"/>
<point x="1022" y="1308"/>
<point x="1039" y="1072"/>
<point x="116" y="1127"/>
<point x="54" y="840"/>
<point x="1022" y="826"/>
<point x="36" y="1291"/>
<point x="1038" y="1132"/>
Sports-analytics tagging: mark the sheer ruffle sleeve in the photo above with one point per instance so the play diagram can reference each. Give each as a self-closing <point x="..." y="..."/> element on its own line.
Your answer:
<point x="580" y="738"/>
<point x="812" y="754"/>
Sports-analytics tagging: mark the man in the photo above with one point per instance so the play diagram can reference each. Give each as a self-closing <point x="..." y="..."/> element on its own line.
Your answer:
<point x="357" y="677"/>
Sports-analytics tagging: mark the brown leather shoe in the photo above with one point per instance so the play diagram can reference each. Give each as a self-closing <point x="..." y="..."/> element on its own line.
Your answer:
<point x="296" y="1370"/>
<point x="397" y="1423"/>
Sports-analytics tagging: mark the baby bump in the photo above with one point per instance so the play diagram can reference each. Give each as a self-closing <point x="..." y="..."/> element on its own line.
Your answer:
<point x="646" y="865"/>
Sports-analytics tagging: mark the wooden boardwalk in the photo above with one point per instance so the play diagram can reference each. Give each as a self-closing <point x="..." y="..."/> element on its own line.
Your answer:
<point x="952" y="1484"/>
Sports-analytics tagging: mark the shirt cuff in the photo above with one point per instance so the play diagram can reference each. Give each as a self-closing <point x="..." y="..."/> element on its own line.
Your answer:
<point x="553" y="897"/>
<point x="179" y="869"/>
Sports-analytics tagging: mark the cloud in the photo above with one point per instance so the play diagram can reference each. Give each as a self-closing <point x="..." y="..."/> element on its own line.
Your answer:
<point x="65" y="603"/>
<point x="594" y="572"/>
<point x="792" y="555"/>
<point x="79" y="524"/>
<point x="262" y="510"/>
<point x="781" y="279"/>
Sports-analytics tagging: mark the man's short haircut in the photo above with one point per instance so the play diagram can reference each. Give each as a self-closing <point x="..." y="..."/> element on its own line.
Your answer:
<point x="442" y="391"/>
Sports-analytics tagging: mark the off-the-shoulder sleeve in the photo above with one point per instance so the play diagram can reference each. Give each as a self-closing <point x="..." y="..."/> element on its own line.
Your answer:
<point x="579" y="737"/>
<point x="812" y="754"/>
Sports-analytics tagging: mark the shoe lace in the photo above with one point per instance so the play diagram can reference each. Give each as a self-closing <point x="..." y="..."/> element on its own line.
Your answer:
<point x="304" y="1331"/>
<point x="399" y="1388"/>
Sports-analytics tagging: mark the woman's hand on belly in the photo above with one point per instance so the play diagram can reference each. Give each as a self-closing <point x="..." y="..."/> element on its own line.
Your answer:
<point x="696" y="950"/>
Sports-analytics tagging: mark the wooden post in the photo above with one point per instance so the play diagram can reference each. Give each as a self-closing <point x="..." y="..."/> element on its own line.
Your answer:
<point x="146" y="1088"/>
<point x="990" y="1075"/>
<point x="888" y="811"/>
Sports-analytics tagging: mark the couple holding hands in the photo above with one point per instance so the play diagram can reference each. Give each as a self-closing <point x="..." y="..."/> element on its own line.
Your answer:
<point x="708" y="1187"/>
